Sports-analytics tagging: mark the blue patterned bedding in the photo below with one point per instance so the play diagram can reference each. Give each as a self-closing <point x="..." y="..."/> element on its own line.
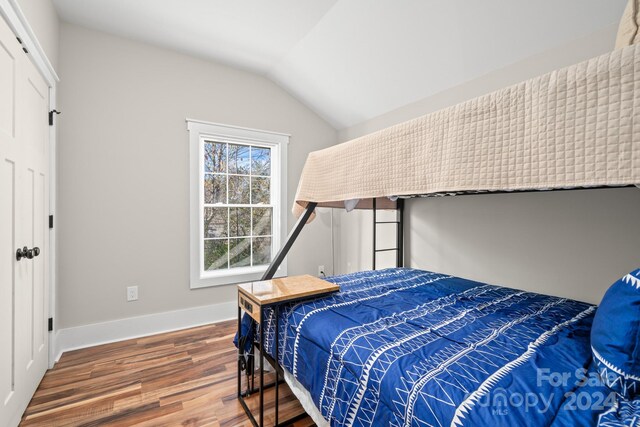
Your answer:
<point x="405" y="347"/>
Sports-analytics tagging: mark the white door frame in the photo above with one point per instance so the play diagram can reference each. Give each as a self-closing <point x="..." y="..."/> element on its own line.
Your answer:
<point x="16" y="19"/>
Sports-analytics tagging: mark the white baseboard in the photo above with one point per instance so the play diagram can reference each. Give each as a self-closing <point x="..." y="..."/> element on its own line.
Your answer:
<point x="134" y="327"/>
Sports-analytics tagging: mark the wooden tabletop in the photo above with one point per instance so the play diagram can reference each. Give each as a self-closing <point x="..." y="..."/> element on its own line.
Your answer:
<point x="286" y="288"/>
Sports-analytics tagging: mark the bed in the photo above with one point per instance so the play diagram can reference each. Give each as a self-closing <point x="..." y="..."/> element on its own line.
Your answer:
<point x="407" y="347"/>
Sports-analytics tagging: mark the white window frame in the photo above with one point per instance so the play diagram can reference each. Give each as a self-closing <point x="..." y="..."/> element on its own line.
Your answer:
<point x="199" y="131"/>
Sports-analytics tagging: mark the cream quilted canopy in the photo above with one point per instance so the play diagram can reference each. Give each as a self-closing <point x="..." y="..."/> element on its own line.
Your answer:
<point x="574" y="127"/>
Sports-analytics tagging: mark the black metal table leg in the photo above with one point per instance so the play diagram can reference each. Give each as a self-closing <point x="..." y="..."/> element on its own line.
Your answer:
<point x="261" y="367"/>
<point x="239" y="351"/>
<point x="253" y="367"/>
<point x="258" y="344"/>
<point x="275" y="336"/>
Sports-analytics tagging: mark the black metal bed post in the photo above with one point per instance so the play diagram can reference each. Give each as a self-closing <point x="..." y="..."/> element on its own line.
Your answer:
<point x="293" y="235"/>
<point x="400" y="233"/>
<point x="375" y="229"/>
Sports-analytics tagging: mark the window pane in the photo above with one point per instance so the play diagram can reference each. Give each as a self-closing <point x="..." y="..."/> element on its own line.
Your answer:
<point x="262" y="221"/>
<point x="215" y="222"/>
<point x="215" y="157"/>
<point x="239" y="159"/>
<point x="240" y="252"/>
<point x="261" y="250"/>
<point x="239" y="222"/>
<point x="215" y="254"/>
<point x="260" y="190"/>
<point x="215" y="188"/>
<point x="260" y="161"/>
<point x="238" y="189"/>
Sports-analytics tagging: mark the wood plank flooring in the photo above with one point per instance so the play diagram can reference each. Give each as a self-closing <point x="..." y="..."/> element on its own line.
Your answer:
<point x="183" y="378"/>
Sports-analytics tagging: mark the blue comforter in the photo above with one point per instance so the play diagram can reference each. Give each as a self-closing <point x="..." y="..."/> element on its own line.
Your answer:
<point x="405" y="347"/>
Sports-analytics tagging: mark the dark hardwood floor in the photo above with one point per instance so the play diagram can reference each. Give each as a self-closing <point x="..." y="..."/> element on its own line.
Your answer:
<point x="183" y="378"/>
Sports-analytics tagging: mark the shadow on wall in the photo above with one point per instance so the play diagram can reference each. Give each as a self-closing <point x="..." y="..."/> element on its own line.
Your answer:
<point x="569" y="243"/>
<point x="353" y="240"/>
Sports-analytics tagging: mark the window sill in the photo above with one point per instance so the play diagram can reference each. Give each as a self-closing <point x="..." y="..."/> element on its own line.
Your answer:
<point x="239" y="275"/>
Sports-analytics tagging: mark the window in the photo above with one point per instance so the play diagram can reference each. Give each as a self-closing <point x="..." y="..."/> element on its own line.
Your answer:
<point x="237" y="191"/>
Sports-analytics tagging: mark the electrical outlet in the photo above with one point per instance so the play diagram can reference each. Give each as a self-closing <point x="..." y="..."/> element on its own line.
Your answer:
<point x="132" y="293"/>
<point x="321" y="271"/>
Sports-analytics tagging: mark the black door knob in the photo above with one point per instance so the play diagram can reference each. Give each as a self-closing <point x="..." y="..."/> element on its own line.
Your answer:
<point x="21" y="253"/>
<point x="27" y="253"/>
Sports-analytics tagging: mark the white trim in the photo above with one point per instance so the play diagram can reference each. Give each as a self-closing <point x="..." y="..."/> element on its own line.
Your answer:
<point x="52" y="231"/>
<point x="199" y="130"/>
<point x="240" y="129"/>
<point x="239" y="271"/>
<point x="20" y="26"/>
<point x="78" y="337"/>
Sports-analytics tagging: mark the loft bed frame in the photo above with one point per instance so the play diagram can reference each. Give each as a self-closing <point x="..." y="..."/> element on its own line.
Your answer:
<point x="310" y="208"/>
<point x="572" y="129"/>
<point x="304" y="218"/>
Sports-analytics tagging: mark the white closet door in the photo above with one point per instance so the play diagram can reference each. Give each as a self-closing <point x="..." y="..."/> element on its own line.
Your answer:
<point x="24" y="205"/>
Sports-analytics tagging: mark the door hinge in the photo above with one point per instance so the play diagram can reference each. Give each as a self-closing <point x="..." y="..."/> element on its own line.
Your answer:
<point x="23" y="48"/>
<point x="50" y="221"/>
<point x="51" y="113"/>
<point x="50" y="324"/>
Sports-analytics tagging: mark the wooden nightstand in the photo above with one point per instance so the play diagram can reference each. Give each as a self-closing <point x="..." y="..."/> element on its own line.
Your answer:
<point x="253" y="298"/>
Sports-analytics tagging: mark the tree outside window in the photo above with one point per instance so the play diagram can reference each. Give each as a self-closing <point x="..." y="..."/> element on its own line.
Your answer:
<point x="238" y="207"/>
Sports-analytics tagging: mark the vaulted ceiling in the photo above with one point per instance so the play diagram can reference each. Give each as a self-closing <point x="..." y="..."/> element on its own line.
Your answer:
<point x="352" y="60"/>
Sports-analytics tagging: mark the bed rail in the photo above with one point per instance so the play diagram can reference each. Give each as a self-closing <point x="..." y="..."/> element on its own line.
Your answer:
<point x="293" y="235"/>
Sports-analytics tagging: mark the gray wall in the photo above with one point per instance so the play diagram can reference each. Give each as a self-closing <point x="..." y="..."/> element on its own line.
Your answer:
<point x="123" y="200"/>
<point x="569" y="243"/>
<point x="572" y="244"/>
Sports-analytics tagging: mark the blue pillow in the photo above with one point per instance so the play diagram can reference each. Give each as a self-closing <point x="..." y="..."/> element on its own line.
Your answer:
<point x="615" y="336"/>
<point x="625" y="413"/>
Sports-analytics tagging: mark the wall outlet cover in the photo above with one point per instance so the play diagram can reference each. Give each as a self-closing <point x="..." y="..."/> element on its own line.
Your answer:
<point x="132" y="293"/>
